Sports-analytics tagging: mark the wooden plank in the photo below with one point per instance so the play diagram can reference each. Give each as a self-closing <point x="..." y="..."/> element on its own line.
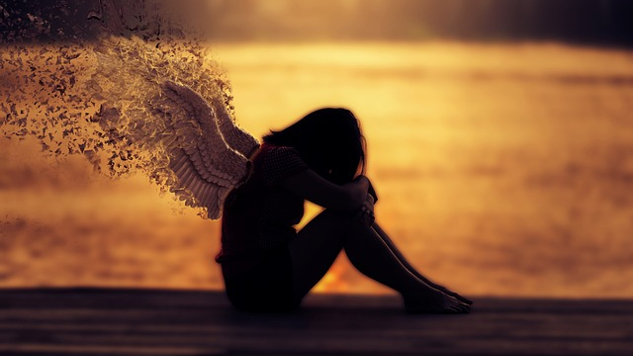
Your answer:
<point x="94" y="321"/>
<point x="349" y="343"/>
<point x="111" y="298"/>
<point x="103" y="350"/>
<point x="597" y="325"/>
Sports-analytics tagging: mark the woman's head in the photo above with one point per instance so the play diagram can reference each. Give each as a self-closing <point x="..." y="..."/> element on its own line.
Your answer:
<point x="330" y="142"/>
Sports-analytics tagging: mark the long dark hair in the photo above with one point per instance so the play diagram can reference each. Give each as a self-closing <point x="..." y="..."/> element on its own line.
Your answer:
<point x="329" y="140"/>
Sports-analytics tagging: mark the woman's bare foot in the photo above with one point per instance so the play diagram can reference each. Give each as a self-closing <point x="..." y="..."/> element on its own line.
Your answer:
<point x="435" y="303"/>
<point x="454" y="294"/>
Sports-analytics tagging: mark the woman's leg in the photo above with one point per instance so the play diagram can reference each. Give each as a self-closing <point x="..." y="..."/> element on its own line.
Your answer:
<point x="318" y="243"/>
<point x="314" y="249"/>
<point x="394" y="249"/>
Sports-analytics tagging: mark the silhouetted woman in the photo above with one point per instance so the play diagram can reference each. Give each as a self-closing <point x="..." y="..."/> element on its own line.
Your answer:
<point x="268" y="266"/>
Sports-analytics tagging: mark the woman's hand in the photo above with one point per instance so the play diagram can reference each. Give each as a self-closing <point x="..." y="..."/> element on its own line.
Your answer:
<point x="365" y="214"/>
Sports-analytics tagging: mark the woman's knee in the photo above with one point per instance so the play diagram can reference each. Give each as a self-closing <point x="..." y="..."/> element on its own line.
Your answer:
<point x="332" y="214"/>
<point x="338" y="218"/>
<point x="345" y="222"/>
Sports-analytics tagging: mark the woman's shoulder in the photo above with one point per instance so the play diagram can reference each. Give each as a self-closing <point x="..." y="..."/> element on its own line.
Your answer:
<point x="270" y="151"/>
<point x="276" y="162"/>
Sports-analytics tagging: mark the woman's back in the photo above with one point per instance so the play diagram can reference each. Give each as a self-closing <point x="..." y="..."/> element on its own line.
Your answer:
<point x="259" y="215"/>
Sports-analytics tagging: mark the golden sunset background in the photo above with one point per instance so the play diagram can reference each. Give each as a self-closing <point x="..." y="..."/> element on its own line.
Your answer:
<point x="503" y="163"/>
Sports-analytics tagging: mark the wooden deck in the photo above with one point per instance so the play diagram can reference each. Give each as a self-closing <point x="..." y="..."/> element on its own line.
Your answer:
<point x="160" y="322"/>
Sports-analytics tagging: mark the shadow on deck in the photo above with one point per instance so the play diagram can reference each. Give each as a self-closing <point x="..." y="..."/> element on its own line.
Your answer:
<point x="90" y="321"/>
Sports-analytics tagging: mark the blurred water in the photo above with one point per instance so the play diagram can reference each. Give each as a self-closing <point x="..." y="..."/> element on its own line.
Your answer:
<point x="501" y="170"/>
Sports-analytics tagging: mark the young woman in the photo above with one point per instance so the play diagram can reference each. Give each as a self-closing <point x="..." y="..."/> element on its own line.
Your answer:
<point x="268" y="266"/>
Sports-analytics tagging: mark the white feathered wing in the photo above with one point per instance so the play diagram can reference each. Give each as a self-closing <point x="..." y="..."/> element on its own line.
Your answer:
<point x="210" y="154"/>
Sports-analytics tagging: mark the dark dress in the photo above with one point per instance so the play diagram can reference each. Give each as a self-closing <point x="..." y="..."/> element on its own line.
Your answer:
<point x="257" y="226"/>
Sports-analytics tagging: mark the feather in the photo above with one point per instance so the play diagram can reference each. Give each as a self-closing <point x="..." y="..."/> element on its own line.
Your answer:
<point x="196" y="189"/>
<point x="236" y="138"/>
<point x="197" y="161"/>
<point x="185" y="164"/>
<point x="188" y="180"/>
<point x="179" y="162"/>
<point x="180" y="173"/>
<point x="209" y="150"/>
<point x="213" y="211"/>
<point x="216" y="206"/>
<point x="223" y="194"/>
<point x="182" y="164"/>
<point x="203" y="193"/>
<point x="187" y="176"/>
<point x="209" y="198"/>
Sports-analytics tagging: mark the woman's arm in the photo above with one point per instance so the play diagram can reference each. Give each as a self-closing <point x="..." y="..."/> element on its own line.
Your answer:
<point x="311" y="186"/>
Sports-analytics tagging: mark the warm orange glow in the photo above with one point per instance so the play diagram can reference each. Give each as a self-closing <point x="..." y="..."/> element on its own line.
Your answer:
<point x="501" y="169"/>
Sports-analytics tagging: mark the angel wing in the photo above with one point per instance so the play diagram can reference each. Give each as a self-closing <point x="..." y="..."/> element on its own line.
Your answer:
<point x="210" y="153"/>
